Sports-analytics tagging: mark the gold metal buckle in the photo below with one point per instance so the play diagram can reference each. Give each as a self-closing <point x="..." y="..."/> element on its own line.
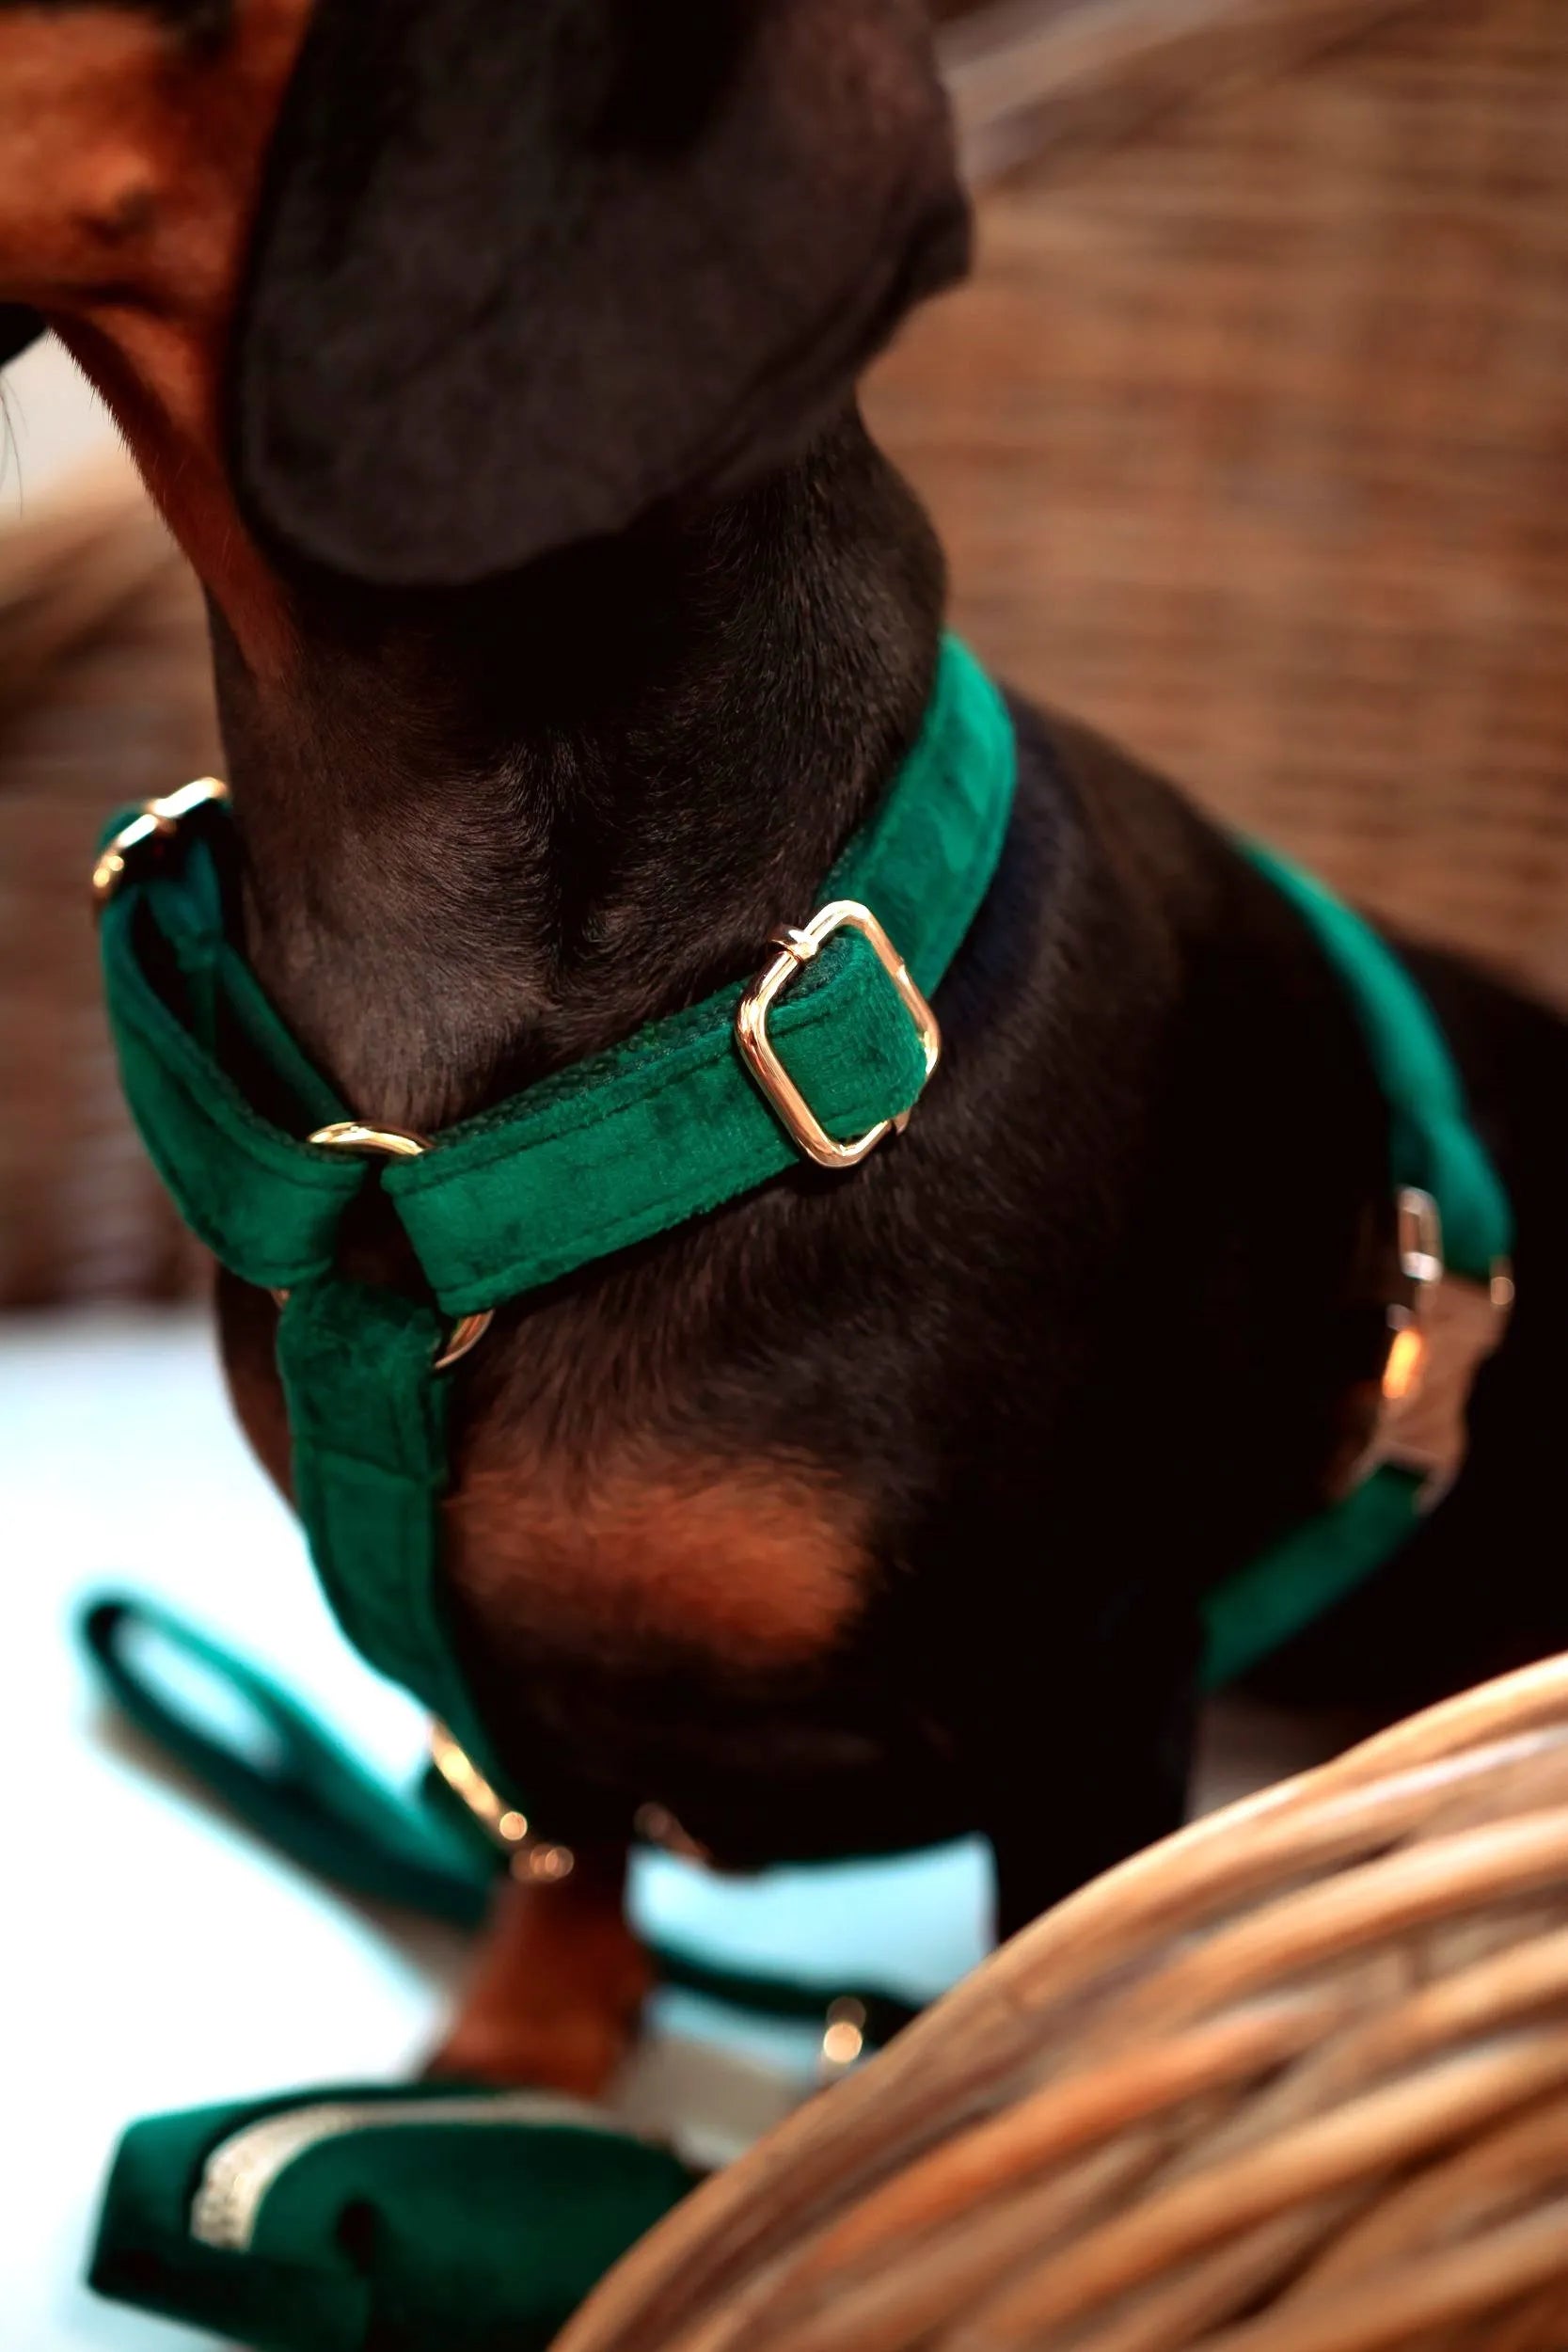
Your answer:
<point x="157" y="820"/>
<point x="400" y="1143"/>
<point x="796" y="948"/>
<point x="1438" y="1345"/>
<point x="531" y="1856"/>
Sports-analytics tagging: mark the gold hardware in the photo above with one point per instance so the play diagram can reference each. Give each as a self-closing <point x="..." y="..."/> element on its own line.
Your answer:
<point x="387" y="1143"/>
<point x="399" y="1143"/>
<point x="545" y="1864"/>
<point x="751" y="1029"/>
<point x="532" y="1857"/>
<point x="160" y="820"/>
<point x="1419" y="1234"/>
<point x="844" y="2036"/>
<point x="157" y="820"/>
<point x="1418" y="1241"/>
<point x="1438" y="1345"/>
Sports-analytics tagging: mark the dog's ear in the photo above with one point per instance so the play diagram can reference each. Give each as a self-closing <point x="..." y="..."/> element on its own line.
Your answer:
<point x="524" y="269"/>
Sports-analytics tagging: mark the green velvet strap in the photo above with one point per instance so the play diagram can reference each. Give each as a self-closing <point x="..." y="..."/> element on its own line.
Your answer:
<point x="1301" y="1578"/>
<point x="612" y="1150"/>
<point x="1433" y="1141"/>
<point x="616" y="1150"/>
<point x="266" y="1205"/>
<point x="367" y="1418"/>
<point x="624" y="1146"/>
<point x="667" y="1126"/>
<point x="1433" y="1146"/>
<point x="630" y="1142"/>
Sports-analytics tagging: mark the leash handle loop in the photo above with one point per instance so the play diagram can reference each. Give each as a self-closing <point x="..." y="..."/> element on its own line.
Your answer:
<point x="301" y="1788"/>
<point x="296" y="1784"/>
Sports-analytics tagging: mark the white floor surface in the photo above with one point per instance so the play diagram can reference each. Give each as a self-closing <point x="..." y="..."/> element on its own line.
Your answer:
<point x="154" y="1958"/>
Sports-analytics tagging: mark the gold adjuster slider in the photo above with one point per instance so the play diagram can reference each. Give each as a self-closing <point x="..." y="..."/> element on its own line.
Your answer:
<point x="157" y="820"/>
<point x="801" y="1122"/>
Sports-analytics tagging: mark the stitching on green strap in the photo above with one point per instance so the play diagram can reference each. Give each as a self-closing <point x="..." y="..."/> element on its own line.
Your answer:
<point x="307" y="1191"/>
<point x="718" y="1138"/>
<point x="650" y="1070"/>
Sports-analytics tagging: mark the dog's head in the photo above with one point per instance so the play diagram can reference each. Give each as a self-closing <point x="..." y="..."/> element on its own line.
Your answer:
<point x="418" y="291"/>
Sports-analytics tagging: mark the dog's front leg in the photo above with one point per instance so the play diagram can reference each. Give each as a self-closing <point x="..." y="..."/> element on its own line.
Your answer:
<point x="1079" y="1781"/>
<point x="557" y="1986"/>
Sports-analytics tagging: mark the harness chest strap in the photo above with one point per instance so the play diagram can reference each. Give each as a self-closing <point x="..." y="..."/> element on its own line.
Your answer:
<point x="826" y="1051"/>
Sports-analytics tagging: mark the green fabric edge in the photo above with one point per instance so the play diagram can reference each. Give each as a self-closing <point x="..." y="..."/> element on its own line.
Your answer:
<point x="486" y="2233"/>
<point x="1433" y="1145"/>
<point x="923" y="863"/>
<point x="1300" y="1579"/>
<point x="552" y="2205"/>
<point x="1434" y="1142"/>
<point x="542" y="1184"/>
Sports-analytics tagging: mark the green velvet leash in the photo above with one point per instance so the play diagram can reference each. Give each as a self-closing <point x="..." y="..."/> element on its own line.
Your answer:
<point x="368" y="2217"/>
<point x="287" y="1777"/>
<point x="293" y="1781"/>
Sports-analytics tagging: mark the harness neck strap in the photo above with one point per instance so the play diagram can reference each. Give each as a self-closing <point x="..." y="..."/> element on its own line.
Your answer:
<point x="823" y="1053"/>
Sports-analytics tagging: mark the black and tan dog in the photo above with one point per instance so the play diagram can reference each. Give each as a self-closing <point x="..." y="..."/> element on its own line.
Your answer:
<point x="494" y="360"/>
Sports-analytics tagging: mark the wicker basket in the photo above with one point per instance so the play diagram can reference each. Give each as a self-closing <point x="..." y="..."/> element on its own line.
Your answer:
<point x="1295" y="2081"/>
<point x="1249" y="441"/>
<point x="104" y="697"/>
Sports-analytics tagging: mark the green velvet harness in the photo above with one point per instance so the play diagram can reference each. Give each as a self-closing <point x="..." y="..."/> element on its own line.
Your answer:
<point x="627" y="1144"/>
<point x="405" y="2217"/>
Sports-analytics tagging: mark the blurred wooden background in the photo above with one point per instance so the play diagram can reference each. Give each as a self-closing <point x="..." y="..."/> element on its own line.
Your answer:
<point x="1250" y="440"/>
<point x="1248" y="443"/>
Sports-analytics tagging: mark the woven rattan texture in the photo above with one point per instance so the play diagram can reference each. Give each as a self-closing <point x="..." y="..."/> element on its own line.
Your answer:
<point x="1295" y="2081"/>
<point x="104" y="697"/>
<point x="1249" y="442"/>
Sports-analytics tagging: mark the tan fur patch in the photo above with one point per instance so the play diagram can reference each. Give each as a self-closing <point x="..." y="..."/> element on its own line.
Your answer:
<point x="557" y="1983"/>
<point x="757" y="1563"/>
<point x="130" y="163"/>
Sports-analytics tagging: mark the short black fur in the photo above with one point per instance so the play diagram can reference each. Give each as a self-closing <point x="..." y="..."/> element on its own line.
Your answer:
<point x="1094" y="1330"/>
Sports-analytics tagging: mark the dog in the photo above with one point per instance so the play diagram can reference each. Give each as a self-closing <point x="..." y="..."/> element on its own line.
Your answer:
<point x="495" y="365"/>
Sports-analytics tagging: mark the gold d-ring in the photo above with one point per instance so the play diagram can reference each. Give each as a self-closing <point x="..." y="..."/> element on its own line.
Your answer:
<point x="155" y="819"/>
<point x="399" y="1143"/>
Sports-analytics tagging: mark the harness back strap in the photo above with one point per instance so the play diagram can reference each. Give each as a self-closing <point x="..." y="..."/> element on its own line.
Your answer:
<point x="1435" y="1152"/>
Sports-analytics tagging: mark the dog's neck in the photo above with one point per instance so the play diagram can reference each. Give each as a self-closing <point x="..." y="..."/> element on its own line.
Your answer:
<point x="488" y="833"/>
